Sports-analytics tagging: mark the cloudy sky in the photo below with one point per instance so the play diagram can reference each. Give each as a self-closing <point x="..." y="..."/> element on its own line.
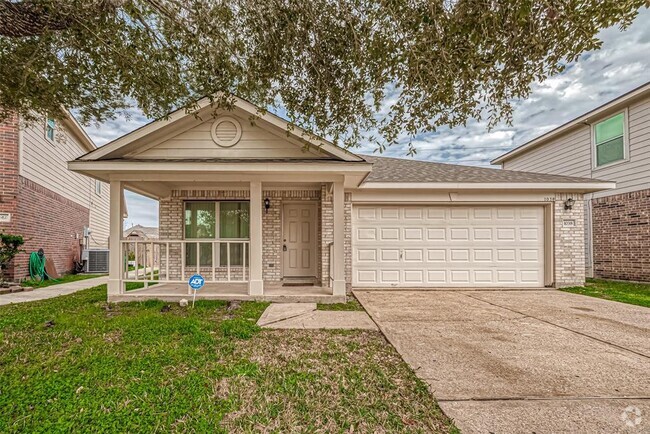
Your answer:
<point x="597" y="77"/>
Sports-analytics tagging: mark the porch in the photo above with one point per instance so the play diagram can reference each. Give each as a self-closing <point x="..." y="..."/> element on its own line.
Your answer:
<point x="249" y="241"/>
<point x="174" y="292"/>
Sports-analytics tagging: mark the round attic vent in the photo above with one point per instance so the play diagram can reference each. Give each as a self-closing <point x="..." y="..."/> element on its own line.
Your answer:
<point x="226" y="132"/>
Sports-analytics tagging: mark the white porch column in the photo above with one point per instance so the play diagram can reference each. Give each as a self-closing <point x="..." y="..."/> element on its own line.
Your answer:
<point x="338" y="286"/>
<point x="256" y="284"/>
<point x="116" y="214"/>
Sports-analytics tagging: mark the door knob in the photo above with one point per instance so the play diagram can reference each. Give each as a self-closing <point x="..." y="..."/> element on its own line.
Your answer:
<point x="284" y="248"/>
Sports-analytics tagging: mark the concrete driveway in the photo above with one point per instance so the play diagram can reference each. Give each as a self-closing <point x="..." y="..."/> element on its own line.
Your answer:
<point x="524" y="361"/>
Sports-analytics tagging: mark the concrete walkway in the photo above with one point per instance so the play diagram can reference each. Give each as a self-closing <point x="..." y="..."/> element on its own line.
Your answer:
<point x="306" y="316"/>
<point x="51" y="291"/>
<point x="524" y="361"/>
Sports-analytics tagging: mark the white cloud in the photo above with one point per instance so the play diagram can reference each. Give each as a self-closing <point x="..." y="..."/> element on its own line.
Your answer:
<point x="619" y="66"/>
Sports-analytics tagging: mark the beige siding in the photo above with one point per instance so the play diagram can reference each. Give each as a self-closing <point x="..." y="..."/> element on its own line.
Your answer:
<point x="571" y="154"/>
<point x="567" y="155"/>
<point x="45" y="163"/>
<point x="99" y="217"/>
<point x="255" y="142"/>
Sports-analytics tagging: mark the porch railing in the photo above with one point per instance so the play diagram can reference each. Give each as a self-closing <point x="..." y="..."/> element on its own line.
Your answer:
<point x="175" y="261"/>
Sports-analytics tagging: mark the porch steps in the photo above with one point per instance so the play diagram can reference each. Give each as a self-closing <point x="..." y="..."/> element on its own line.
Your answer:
<point x="299" y="281"/>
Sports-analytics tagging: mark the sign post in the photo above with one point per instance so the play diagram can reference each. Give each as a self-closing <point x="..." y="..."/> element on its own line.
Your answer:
<point x="196" y="282"/>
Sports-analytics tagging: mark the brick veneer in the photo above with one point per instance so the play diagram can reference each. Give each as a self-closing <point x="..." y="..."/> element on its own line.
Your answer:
<point x="49" y="221"/>
<point x="621" y="236"/>
<point x="171" y="226"/>
<point x="9" y="176"/>
<point x="569" y="241"/>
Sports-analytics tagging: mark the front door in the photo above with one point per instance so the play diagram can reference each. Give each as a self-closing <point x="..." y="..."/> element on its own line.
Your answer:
<point x="299" y="240"/>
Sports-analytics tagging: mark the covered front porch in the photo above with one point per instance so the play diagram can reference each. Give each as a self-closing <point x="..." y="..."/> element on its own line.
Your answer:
<point x="263" y="239"/>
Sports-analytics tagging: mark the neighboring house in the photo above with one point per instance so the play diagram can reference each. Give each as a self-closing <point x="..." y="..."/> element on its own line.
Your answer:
<point x="257" y="211"/>
<point x="149" y="257"/>
<point x="611" y="142"/>
<point x="52" y="208"/>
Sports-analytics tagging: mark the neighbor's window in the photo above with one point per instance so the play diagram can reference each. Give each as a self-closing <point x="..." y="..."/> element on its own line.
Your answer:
<point x="98" y="187"/>
<point x="50" y="125"/>
<point x="609" y="137"/>
<point x="202" y="220"/>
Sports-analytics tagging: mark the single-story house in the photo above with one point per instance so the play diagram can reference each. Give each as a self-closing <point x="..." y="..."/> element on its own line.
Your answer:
<point x="263" y="211"/>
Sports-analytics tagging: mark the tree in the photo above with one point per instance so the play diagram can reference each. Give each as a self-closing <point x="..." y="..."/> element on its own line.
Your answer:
<point x="351" y="70"/>
<point x="9" y="248"/>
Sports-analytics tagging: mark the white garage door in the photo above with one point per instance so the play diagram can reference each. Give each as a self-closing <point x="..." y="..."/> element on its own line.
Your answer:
<point x="438" y="246"/>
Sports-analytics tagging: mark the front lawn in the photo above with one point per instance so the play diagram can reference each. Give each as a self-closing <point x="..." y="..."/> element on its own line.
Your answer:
<point x="66" y="278"/>
<point x="76" y="363"/>
<point x="625" y="292"/>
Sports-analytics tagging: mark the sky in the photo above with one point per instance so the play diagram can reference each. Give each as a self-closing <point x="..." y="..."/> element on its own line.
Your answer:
<point x="597" y="77"/>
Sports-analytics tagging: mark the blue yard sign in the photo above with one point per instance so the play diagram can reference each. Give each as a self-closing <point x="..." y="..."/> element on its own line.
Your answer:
<point x="196" y="282"/>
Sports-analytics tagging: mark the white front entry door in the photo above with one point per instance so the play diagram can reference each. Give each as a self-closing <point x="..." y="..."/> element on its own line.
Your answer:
<point x="447" y="246"/>
<point x="299" y="240"/>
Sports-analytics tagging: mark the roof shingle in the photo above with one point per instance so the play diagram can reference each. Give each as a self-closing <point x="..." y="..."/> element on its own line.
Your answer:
<point x="389" y="169"/>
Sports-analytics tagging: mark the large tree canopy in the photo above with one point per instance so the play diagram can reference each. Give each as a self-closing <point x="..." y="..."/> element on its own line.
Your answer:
<point x="341" y="68"/>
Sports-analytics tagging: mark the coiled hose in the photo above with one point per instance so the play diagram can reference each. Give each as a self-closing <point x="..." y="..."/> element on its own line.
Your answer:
<point x="37" y="266"/>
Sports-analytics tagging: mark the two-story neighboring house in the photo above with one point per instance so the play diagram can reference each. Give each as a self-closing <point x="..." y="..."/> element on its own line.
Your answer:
<point x="52" y="208"/>
<point x="611" y="142"/>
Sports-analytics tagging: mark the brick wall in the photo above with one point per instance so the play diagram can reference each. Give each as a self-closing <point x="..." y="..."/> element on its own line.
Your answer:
<point x="49" y="221"/>
<point x="171" y="227"/>
<point x="621" y="236"/>
<point x="9" y="176"/>
<point x="569" y="241"/>
<point x="327" y="218"/>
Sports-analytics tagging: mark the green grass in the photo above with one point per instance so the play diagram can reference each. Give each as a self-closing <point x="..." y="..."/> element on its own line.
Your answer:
<point x="77" y="363"/>
<point x="66" y="278"/>
<point x="352" y="304"/>
<point x="625" y="292"/>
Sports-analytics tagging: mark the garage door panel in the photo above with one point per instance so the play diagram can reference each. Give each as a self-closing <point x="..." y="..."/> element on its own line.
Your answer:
<point x="421" y="246"/>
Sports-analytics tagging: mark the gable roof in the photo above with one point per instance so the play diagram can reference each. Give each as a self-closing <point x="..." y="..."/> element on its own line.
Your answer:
<point x="147" y="232"/>
<point x="390" y="170"/>
<point x="112" y="149"/>
<point x="611" y="106"/>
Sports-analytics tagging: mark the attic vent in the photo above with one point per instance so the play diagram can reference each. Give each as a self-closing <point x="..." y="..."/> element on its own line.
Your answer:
<point x="226" y="132"/>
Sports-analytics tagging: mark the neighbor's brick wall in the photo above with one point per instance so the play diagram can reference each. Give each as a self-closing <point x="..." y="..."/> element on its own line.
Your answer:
<point x="569" y="242"/>
<point x="171" y="227"/>
<point x="9" y="176"/>
<point x="621" y="236"/>
<point x="49" y="221"/>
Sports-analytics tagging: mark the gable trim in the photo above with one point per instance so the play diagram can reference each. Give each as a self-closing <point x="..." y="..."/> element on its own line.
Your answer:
<point x="246" y="106"/>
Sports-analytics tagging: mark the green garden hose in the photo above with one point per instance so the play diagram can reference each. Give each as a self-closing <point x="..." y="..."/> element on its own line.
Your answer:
<point x="37" y="267"/>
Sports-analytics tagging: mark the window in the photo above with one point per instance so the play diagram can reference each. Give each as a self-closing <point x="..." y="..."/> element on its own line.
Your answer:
<point x="201" y="222"/>
<point x="50" y="125"/>
<point x="98" y="187"/>
<point x="609" y="139"/>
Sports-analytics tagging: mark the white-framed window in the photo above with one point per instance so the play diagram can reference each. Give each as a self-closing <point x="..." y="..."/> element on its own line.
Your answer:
<point x="610" y="140"/>
<point x="50" y="128"/>
<point x="216" y="220"/>
<point x="98" y="187"/>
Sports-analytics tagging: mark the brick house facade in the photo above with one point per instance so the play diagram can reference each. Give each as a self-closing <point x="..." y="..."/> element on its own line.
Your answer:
<point x="44" y="215"/>
<point x="621" y="236"/>
<point x="171" y="226"/>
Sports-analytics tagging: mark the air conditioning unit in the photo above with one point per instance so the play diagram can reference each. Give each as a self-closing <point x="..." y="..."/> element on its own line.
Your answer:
<point x="96" y="261"/>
